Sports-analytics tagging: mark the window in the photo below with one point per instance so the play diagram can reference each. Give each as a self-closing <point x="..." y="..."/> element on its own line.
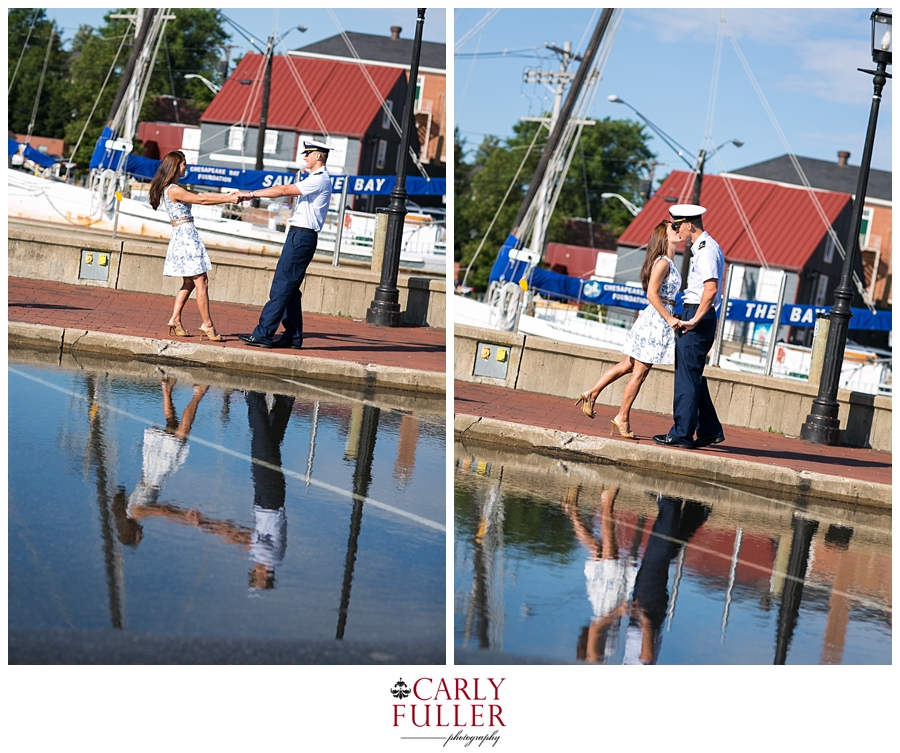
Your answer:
<point x="385" y="120"/>
<point x="270" y="145"/>
<point x="420" y="88"/>
<point x="381" y="157"/>
<point x="236" y="137"/>
<point x="821" y="290"/>
<point x="829" y="249"/>
<point x="865" y="227"/>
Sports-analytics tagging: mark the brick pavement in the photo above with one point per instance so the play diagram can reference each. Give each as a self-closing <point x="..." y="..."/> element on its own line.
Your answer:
<point x="745" y="444"/>
<point x="123" y="312"/>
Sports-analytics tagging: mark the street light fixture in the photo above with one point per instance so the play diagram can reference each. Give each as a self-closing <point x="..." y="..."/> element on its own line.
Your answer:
<point x="669" y="141"/>
<point x="697" y="168"/>
<point x="384" y="310"/>
<point x="628" y="205"/>
<point x="822" y="425"/>
<point x="210" y="85"/>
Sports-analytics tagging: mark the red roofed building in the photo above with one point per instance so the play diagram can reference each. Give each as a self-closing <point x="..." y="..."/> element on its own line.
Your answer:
<point x="783" y="231"/>
<point x="308" y="99"/>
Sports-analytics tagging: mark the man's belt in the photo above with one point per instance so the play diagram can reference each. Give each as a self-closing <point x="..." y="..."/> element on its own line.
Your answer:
<point x="304" y="229"/>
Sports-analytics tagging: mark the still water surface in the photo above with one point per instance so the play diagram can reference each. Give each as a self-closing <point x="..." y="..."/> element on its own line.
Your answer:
<point x="182" y="502"/>
<point x="568" y="562"/>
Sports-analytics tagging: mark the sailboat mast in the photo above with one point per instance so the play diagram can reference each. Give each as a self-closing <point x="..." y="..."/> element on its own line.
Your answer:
<point x="142" y="27"/>
<point x="556" y="134"/>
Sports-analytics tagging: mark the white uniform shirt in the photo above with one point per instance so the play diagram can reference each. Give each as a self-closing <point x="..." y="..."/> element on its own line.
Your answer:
<point x="312" y="204"/>
<point x="707" y="263"/>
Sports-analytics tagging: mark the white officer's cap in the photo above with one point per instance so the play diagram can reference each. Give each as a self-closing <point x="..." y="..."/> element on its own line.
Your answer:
<point x="682" y="212"/>
<point x="315" y="146"/>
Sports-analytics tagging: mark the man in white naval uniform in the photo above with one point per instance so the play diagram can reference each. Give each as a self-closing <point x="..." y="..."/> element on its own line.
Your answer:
<point x="692" y="408"/>
<point x="283" y="305"/>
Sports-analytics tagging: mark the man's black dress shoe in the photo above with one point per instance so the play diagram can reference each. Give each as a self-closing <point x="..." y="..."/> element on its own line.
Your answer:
<point x="706" y="441"/>
<point x="666" y="440"/>
<point x="251" y="340"/>
<point x="283" y="343"/>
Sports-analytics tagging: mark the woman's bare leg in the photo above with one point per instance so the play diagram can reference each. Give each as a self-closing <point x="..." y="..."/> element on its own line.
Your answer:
<point x="611" y="375"/>
<point x="202" y="284"/>
<point x="187" y="287"/>
<point x="187" y="416"/>
<point x="632" y="388"/>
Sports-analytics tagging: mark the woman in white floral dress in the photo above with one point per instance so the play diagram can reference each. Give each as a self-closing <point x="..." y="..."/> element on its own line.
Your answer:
<point x="186" y="256"/>
<point x="652" y="337"/>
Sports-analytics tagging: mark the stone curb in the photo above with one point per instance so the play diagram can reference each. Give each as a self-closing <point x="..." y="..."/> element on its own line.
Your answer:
<point x="373" y="375"/>
<point x="664" y="460"/>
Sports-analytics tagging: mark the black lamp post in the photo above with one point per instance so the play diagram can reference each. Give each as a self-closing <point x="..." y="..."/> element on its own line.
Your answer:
<point x="385" y="308"/>
<point x="822" y="425"/>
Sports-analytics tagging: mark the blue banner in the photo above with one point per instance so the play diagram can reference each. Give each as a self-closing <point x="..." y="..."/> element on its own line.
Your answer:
<point x="239" y="179"/>
<point x="803" y="316"/>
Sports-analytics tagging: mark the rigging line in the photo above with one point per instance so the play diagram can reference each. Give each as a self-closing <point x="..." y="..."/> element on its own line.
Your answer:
<point x="580" y="110"/>
<point x="745" y="220"/>
<point x="24" y="47"/>
<point x="40" y="88"/>
<point x="809" y="189"/>
<point x="171" y="79"/>
<point x="714" y="85"/>
<point x="587" y="194"/>
<point x="742" y="215"/>
<point x="100" y="93"/>
<point x="479" y="26"/>
<point x="502" y="204"/>
<point x="462" y="98"/>
<point x="295" y="74"/>
<point x="372" y="85"/>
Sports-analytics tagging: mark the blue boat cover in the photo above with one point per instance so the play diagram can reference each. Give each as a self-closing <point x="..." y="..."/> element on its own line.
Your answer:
<point x="31" y="153"/>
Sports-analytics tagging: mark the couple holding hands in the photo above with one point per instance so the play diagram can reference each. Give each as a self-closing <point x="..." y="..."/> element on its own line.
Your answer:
<point x="659" y="337"/>
<point x="187" y="257"/>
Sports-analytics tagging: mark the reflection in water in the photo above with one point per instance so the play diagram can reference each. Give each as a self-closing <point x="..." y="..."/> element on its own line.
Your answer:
<point x="803" y="531"/>
<point x="177" y="459"/>
<point x="111" y="557"/>
<point x="364" y="451"/>
<point x="676" y="523"/>
<point x="609" y="574"/>
<point x="726" y="560"/>
<point x="164" y="452"/>
<point x="268" y="416"/>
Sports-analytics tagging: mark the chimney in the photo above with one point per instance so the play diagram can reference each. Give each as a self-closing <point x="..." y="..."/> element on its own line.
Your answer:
<point x="395" y="32"/>
<point x="842" y="158"/>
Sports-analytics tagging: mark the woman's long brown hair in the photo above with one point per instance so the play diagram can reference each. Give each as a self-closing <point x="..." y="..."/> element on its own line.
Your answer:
<point x="166" y="175"/>
<point x="657" y="246"/>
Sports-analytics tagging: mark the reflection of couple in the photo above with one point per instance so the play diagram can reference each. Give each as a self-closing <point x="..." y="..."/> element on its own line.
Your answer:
<point x="165" y="451"/>
<point x="611" y="578"/>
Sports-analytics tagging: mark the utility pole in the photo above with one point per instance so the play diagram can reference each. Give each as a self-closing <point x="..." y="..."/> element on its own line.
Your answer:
<point x="556" y="82"/>
<point x="264" y="106"/>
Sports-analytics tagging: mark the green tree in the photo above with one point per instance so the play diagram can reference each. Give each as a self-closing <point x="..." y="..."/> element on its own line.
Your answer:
<point x="610" y="158"/>
<point x="29" y="41"/>
<point x="190" y="45"/>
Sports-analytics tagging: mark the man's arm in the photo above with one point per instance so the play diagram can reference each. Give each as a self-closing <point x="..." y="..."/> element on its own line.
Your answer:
<point x="290" y="189"/>
<point x="710" y="288"/>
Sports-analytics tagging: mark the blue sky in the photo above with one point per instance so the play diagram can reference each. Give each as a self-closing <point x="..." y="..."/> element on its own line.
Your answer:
<point x="260" y="23"/>
<point x="804" y="60"/>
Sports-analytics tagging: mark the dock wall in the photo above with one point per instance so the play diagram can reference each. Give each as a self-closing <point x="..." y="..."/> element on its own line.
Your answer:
<point x="549" y="367"/>
<point x="137" y="265"/>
